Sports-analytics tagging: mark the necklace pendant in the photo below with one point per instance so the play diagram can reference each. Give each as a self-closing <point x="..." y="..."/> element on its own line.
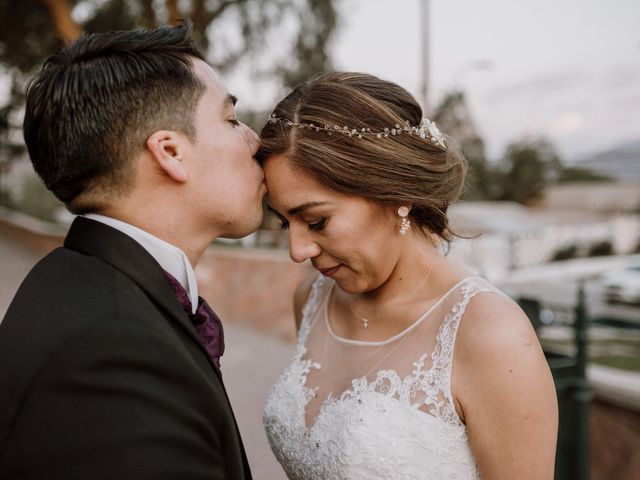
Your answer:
<point x="365" y="323"/>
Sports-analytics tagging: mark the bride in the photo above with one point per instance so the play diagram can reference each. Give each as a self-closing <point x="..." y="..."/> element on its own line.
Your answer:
<point x="407" y="366"/>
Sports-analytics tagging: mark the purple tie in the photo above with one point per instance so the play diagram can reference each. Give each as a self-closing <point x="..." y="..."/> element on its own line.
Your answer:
<point x="207" y="324"/>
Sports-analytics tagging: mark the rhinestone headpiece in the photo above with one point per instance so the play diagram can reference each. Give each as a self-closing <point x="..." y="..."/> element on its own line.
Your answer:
<point x="426" y="130"/>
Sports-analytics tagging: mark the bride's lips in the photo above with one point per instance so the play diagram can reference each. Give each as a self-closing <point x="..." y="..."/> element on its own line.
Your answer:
<point x="327" y="272"/>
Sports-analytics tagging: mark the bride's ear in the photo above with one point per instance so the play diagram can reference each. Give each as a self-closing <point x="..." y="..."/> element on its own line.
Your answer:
<point x="167" y="149"/>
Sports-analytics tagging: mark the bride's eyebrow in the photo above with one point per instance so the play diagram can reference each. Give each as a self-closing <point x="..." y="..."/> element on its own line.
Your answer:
<point x="295" y="210"/>
<point x="304" y="206"/>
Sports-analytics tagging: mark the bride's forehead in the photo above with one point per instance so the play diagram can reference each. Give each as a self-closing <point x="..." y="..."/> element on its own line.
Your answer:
<point x="282" y="177"/>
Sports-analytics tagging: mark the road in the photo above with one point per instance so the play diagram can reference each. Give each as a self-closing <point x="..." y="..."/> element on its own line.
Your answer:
<point x="252" y="362"/>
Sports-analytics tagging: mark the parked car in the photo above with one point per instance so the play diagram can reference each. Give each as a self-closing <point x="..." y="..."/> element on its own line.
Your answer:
<point x="622" y="286"/>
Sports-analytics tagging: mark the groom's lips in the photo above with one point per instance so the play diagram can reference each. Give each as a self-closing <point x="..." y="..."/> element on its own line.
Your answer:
<point x="327" y="272"/>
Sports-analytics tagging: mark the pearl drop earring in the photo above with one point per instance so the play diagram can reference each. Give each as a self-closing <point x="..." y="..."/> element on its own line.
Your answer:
<point x="405" y="224"/>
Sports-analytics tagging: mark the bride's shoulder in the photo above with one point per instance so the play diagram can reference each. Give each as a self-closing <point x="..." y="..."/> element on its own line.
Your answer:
<point x="489" y="310"/>
<point x="301" y="295"/>
<point x="494" y="324"/>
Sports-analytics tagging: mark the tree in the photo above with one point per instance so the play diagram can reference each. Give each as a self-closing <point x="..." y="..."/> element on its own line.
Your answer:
<point x="229" y="31"/>
<point x="528" y="167"/>
<point x="454" y="118"/>
<point x="570" y="174"/>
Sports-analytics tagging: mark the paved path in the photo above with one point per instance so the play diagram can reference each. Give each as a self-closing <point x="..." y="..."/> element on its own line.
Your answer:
<point x="251" y="363"/>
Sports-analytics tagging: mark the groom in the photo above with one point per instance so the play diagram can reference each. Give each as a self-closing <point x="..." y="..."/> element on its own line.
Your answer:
<point x="108" y="358"/>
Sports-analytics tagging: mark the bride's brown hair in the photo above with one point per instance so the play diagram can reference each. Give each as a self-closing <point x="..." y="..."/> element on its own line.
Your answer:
<point x="395" y="170"/>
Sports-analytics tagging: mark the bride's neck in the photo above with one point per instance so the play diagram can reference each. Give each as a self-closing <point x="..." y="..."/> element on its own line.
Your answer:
<point x="417" y="265"/>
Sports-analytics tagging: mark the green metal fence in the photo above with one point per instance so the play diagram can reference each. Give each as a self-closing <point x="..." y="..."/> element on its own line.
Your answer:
<point x="574" y="393"/>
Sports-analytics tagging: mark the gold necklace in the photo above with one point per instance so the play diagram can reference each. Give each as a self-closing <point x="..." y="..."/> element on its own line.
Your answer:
<point x="365" y="320"/>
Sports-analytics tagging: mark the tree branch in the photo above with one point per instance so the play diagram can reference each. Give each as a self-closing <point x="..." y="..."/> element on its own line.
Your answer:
<point x="174" y="13"/>
<point x="149" y="14"/>
<point x="60" y="13"/>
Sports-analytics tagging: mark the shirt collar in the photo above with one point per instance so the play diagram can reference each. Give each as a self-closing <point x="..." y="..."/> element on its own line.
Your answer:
<point x="170" y="257"/>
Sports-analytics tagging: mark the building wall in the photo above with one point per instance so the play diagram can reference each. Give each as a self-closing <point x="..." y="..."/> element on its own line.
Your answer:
<point x="253" y="287"/>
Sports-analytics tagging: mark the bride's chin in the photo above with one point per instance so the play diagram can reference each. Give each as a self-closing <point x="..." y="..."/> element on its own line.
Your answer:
<point x="348" y="286"/>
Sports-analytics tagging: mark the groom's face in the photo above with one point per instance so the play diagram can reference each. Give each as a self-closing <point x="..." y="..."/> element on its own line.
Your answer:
<point x="229" y="182"/>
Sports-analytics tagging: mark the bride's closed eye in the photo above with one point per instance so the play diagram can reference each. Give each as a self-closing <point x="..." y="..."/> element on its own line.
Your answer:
<point x="317" y="226"/>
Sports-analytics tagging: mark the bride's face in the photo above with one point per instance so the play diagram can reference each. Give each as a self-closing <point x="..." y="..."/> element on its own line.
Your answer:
<point x="348" y="238"/>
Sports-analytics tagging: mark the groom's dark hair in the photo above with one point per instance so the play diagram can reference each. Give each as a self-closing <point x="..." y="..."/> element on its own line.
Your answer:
<point x="92" y="106"/>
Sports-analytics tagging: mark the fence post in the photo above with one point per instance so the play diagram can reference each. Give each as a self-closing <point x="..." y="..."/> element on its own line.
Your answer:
<point x="582" y="392"/>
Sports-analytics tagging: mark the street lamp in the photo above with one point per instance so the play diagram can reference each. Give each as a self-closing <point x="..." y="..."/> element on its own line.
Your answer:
<point x="424" y="22"/>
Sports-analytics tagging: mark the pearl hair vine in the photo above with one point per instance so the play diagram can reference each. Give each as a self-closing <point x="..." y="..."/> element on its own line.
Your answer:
<point x="427" y="130"/>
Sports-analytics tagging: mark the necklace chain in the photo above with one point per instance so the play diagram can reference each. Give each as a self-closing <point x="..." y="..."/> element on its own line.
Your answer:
<point x="365" y="320"/>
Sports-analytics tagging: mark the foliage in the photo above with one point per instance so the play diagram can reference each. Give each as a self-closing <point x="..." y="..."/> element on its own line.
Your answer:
<point x="229" y="31"/>
<point x="565" y="253"/>
<point x="601" y="248"/>
<point x="311" y="54"/>
<point x="454" y="118"/>
<point x="528" y="167"/>
<point x="37" y="201"/>
<point x="570" y="174"/>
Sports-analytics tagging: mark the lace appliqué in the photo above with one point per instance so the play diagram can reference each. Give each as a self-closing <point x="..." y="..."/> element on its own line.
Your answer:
<point x="387" y="428"/>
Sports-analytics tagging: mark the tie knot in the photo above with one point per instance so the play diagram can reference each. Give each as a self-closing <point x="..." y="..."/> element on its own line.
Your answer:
<point x="181" y="293"/>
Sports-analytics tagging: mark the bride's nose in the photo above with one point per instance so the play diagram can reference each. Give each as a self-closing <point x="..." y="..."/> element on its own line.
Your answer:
<point x="301" y="245"/>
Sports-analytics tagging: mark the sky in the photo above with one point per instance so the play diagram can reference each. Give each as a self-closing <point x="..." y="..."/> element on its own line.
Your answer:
<point x="568" y="70"/>
<point x="565" y="69"/>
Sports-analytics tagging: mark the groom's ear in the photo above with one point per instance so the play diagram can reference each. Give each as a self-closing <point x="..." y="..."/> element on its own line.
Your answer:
<point x="167" y="151"/>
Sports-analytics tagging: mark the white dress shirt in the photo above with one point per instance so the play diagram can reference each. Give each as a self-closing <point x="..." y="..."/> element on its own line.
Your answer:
<point x="170" y="257"/>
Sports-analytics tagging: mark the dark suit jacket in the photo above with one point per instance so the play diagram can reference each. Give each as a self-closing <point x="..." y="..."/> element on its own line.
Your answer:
<point x="102" y="375"/>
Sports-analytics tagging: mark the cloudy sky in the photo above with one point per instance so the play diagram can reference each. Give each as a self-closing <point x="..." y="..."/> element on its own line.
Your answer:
<point x="566" y="69"/>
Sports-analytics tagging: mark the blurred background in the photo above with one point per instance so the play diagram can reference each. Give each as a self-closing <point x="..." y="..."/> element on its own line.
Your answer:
<point x="544" y="97"/>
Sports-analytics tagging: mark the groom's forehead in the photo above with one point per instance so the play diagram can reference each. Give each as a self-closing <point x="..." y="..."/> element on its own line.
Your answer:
<point x="212" y="83"/>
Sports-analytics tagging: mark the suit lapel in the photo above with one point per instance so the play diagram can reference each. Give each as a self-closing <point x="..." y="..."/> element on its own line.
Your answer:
<point x="125" y="254"/>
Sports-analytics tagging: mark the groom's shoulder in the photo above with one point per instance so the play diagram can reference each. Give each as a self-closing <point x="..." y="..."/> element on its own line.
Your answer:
<point x="65" y="274"/>
<point x="67" y="287"/>
<point x="73" y="300"/>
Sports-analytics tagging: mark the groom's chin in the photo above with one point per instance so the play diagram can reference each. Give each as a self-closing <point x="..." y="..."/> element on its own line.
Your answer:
<point x="246" y="229"/>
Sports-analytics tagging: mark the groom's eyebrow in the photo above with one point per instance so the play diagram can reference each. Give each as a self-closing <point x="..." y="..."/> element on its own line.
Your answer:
<point x="230" y="100"/>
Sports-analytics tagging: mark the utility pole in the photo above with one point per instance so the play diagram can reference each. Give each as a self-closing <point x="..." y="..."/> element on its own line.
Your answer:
<point x="424" y="19"/>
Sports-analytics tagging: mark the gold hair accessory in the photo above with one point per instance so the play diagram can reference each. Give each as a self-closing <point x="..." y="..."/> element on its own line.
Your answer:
<point x="427" y="130"/>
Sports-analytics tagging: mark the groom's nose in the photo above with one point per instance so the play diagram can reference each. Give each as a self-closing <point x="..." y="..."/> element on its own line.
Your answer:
<point x="253" y="140"/>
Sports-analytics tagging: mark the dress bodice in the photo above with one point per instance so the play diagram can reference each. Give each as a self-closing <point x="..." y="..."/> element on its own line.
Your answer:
<point x="345" y="409"/>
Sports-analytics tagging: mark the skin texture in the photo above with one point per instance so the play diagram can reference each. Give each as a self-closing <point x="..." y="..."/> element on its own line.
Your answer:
<point x="502" y="386"/>
<point x="194" y="192"/>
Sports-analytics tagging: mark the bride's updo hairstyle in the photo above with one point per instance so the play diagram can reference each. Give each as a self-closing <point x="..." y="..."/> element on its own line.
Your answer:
<point x="341" y="128"/>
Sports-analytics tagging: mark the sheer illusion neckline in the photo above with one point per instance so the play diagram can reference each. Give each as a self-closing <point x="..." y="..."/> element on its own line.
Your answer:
<point x="363" y="343"/>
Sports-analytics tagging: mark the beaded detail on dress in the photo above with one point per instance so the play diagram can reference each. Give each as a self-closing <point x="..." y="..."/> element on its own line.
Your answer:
<point x="395" y="420"/>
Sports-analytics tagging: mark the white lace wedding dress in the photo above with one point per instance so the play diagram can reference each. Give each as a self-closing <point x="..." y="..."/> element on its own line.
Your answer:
<point x="347" y="409"/>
